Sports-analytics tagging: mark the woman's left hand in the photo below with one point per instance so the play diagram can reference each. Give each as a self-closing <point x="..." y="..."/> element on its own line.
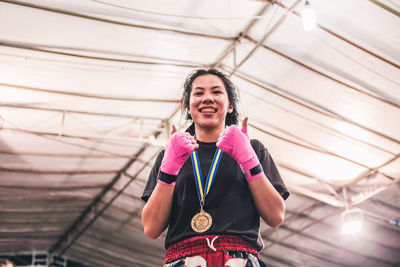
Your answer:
<point x="236" y="143"/>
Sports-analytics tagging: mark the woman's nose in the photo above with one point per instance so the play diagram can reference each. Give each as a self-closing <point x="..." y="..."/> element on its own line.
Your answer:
<point x="208" y="98"/>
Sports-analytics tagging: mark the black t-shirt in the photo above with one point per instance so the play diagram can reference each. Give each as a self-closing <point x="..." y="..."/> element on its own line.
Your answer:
<point x="229" y="201"/>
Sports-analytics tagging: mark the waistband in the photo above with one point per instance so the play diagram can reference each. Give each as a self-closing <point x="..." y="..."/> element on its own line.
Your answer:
<point x="207" y="243"/>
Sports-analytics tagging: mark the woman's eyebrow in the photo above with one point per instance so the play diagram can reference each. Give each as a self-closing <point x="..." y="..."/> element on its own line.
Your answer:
<point x="202" y="88"/>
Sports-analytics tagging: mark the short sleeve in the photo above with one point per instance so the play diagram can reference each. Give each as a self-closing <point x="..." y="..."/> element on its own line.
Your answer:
<point x="152" y="181"/>
<point x="270" y="169"/>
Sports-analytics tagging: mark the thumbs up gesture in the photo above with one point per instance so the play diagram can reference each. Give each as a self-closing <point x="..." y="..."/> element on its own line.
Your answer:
<point x="178" y="149"/>
<point x="236" y="143"/>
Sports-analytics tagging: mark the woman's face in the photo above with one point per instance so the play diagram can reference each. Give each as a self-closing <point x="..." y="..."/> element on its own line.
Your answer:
<point x="209" y="102"/>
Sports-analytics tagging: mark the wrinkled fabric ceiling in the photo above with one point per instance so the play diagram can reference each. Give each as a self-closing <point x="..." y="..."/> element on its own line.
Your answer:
<point x="89" y="90"/>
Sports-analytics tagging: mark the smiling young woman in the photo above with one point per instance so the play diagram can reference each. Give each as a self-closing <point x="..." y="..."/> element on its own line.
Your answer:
<point x="212" y="220"/>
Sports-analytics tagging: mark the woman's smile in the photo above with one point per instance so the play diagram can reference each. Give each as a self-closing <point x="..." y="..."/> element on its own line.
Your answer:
<point x="206" y="110"/>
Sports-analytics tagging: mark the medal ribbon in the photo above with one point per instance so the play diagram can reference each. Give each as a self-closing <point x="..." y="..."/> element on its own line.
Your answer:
<point x="202" y="191"/>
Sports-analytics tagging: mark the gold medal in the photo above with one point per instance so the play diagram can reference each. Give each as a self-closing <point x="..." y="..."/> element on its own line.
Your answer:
<point x="202" y="221"/>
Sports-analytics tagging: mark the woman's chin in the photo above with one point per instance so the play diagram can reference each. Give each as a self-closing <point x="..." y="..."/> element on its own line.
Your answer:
<point x="210" y="124"/>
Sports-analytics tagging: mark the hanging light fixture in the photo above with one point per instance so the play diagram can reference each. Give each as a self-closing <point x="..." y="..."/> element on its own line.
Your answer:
<point x="308" y="15"/>
<point x="352" y="221"/>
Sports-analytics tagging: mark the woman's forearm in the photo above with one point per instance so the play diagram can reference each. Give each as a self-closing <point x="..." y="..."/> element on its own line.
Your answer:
<point x="156" y="211"/>
<point x="268" y="201"/>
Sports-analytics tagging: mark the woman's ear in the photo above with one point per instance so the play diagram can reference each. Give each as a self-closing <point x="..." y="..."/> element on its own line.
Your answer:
<point x="230" y="108"/>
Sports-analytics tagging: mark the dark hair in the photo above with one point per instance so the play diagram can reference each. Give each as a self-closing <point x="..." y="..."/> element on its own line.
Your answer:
<point x="233" y="96"/>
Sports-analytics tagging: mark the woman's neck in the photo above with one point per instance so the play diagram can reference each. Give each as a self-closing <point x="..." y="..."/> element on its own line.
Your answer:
<point x="207" y="134"/>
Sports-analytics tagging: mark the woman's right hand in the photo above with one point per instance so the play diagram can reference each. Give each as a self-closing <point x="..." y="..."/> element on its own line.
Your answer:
<point x="178" y="149"/>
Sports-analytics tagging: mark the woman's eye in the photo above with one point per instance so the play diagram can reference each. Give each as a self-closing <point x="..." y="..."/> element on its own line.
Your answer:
<point x="197" y="93"/>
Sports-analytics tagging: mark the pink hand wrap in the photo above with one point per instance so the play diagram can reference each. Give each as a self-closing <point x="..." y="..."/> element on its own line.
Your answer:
<point x="237" y="144"/>
<point x="178" y="149"/>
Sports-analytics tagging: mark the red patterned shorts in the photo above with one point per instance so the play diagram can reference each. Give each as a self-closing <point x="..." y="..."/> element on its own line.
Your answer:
<point x="212" y="251"/>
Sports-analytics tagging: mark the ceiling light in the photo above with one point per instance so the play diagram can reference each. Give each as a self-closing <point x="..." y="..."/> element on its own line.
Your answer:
<point x="308" y="15"/>
<point x="352" y="221"/>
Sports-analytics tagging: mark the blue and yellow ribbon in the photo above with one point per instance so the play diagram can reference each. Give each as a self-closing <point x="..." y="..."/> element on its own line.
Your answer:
<point x="202" y="190"/>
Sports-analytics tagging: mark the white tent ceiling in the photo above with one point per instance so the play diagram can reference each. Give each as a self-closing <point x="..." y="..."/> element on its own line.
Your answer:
<point x="89" y="89"/>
